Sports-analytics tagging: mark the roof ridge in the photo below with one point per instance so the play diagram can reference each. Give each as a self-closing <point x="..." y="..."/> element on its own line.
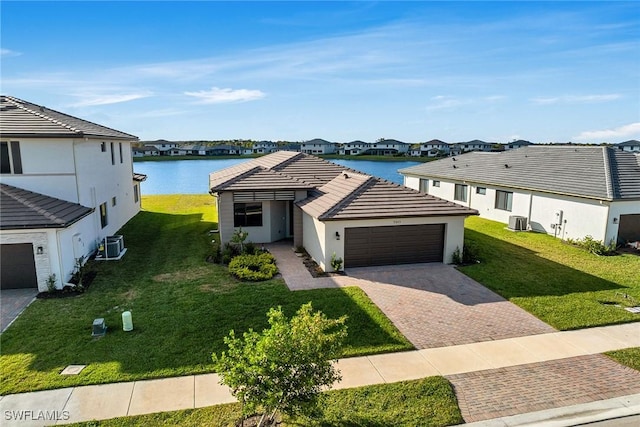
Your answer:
<point x="349" y="196"/>
<point x="30" y="205"/>
<point x="285" y="162"/>
<point x="608" y="177"/>
<point x="17" y="103"/>
<point x="244" y="174"/>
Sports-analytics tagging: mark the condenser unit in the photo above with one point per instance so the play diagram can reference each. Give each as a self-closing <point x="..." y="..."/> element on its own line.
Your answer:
<point x="517" y="223"/>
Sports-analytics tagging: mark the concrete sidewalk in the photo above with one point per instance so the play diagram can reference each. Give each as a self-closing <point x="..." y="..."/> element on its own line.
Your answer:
<point x="194" y="391"/>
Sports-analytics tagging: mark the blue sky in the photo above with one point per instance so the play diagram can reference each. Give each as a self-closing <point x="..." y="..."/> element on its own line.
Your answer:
<point x="413" y="71"/>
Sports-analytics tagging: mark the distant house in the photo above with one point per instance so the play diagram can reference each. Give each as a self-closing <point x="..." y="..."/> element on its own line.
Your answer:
<point x="387" y="147"/>
<point x="433" y="148"/>
<point x="66" y="184"/>
<point x="318" y="146"/>
<point x="566" y="191"/>
<point x="223" y="150"/>
<point x="631" y="146"/>
<point x="353" y="148"/>
<point x="265" y="147"/>
<point x="145" y="151"/>
<point x="329" y="209"/>
<point x="517" y="144"/>
<point x="291" y="147"/>
<point x="465" y="147"/>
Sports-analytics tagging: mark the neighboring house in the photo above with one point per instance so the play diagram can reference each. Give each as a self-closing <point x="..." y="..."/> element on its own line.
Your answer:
<point x="465" y="147"/>
<point x="290" y="147"/>
<point x="66" y="184"/>
<point x="265" y="147"/>
<point x="162" y="144"/>
<point x="329" y="209"/>
<point x="565" y="191"/>
<point x="145" y="151"/>
<point x="631" y="145"/>
<point x="516" y="144"/>
<point x="353" y="148"/>
<point x="318" y="146"/>
<point x="222" y="150"/>
<point x="387" y="147"/>
<point x="434" y="148"/>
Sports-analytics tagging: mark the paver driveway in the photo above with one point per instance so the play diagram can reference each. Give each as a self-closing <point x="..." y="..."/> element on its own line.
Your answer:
<point x="13" y="302"/>
<point x="433" y="305"/>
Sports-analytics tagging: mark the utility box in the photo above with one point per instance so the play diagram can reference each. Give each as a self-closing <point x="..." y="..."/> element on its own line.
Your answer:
<point x="127" y="321"/>
<point x="99" y="328"/>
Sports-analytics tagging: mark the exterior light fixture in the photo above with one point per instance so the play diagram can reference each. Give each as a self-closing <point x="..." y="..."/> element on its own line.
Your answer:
<point x="39" y="250"/>
<point x="615" y="220"/>
<point x="337" y="235"/>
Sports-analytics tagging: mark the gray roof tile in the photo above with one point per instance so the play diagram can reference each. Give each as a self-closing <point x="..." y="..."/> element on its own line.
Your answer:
<point x="20" y="118"/>
<point x="582" y="171"/>
<point x="22" y="209"/>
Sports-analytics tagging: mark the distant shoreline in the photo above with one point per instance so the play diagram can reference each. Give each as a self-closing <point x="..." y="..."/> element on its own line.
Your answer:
<point x="252" y="156"/>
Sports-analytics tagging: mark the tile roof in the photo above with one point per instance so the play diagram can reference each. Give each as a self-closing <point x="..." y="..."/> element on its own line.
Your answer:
<point x="338" y="193"/>
<point x="583" y="171"/>
<point x="22" y="209"/>
<point x="20" y="118"/>
<point x="630" y="143"/>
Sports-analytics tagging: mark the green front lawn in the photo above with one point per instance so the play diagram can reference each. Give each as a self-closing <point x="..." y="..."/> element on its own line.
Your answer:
<point x="562" y="285"/>
<point x="426" y="402"/>
<point x="182" y="307"/>
<point x="629" y="357"/>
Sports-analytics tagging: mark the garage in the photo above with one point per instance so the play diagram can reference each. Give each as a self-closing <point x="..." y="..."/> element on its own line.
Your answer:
<point x="629" y="228"/>
<point x="18" y="266"/>
<point x="403" y="244"/>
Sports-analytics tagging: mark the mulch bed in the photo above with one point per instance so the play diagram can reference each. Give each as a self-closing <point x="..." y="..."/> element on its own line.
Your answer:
<point x="314" y="268"/>
<point x="70" y="291"/>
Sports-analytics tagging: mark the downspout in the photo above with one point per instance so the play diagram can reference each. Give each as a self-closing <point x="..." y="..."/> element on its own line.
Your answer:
<point x="63" y="273"/>
<point x="75" y="169"/>
<point x="610" y="195"/>
<point x="530" y="209"/>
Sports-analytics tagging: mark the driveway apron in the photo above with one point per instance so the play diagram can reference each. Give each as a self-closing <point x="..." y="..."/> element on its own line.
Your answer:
<point x="12" y="303"/>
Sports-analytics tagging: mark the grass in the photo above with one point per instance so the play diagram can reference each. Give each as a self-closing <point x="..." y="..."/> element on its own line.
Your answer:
<point x="182" y="307"/>
<point x="629" y="357"/>
<point x="560" y="284"/>
<point x="425" y="402"/>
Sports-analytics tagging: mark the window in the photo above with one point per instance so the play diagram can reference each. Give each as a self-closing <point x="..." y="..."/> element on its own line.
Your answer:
<point x="460" y="193"/>
<point x="504" y="199"/>
<point x="103" y="215"/>
<point x="113" y="156"/>
<point x="113" y="201"/>
<point x="481" y="190"/>
<point x="436" y="183"/>
<point x="247" y="215"/>
<point x="10" y="157"/>
<point x="103" y="147"/>
<point x="120" y="148"/>
<point x="136" y="195"/>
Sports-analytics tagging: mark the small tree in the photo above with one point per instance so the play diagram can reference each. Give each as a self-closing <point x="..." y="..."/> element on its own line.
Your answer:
<point x="239" y="238"/>
<point x="284" y="368"/>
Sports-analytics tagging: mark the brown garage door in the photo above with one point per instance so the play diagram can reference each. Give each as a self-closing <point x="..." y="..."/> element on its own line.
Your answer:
<point x="17" y="266"/>
<point x="629" y="228"/>
<point x="402" y="244"/>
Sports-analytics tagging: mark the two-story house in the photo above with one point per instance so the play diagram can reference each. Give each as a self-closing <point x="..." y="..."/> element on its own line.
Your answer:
<point x="318" y="146"/>
<point x="388" y="147"/>
<point x="353" y="148"/>
<point x="265" y="147"/>
<point x="67" y="183"/>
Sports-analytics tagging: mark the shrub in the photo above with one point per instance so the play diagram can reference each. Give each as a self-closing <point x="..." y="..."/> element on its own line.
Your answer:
<point x="229" y="252"/>
<point x="336" y="262"/>
<point x="51" y="283"/>
<point x="253" y="267"/>
<point x="596" y="247"/>
<point x="285" y="368"/>
<point x="469" y="255"/>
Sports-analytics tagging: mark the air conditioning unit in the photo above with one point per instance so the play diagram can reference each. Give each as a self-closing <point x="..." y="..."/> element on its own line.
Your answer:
<point x="517" y="223"/>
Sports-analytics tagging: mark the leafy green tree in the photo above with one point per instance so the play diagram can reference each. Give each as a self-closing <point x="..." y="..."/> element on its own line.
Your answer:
<point x="284" y="368"/>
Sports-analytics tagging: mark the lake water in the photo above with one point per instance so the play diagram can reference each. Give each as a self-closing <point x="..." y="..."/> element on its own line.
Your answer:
<point x="192" y="176"/>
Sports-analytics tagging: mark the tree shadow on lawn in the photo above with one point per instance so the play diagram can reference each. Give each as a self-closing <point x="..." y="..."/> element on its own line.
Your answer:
<point x="514" y="271"/>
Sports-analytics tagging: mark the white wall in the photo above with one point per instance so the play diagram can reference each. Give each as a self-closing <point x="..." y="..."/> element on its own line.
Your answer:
<point x="314" y="239"/>
<point x="615" y="210"/>
<point x="47" y="168"/>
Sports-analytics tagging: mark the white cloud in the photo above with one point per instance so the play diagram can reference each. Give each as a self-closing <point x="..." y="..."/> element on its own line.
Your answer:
<point x="221" y="95"/>
<point x="606" y="135"/>
<point x="8" y="53"/>
<point x="573" y="99"/>
<point x="92" y="100"/>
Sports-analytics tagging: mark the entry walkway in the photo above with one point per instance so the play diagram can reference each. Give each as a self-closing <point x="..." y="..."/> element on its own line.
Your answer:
<point x="558" y="356"/>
